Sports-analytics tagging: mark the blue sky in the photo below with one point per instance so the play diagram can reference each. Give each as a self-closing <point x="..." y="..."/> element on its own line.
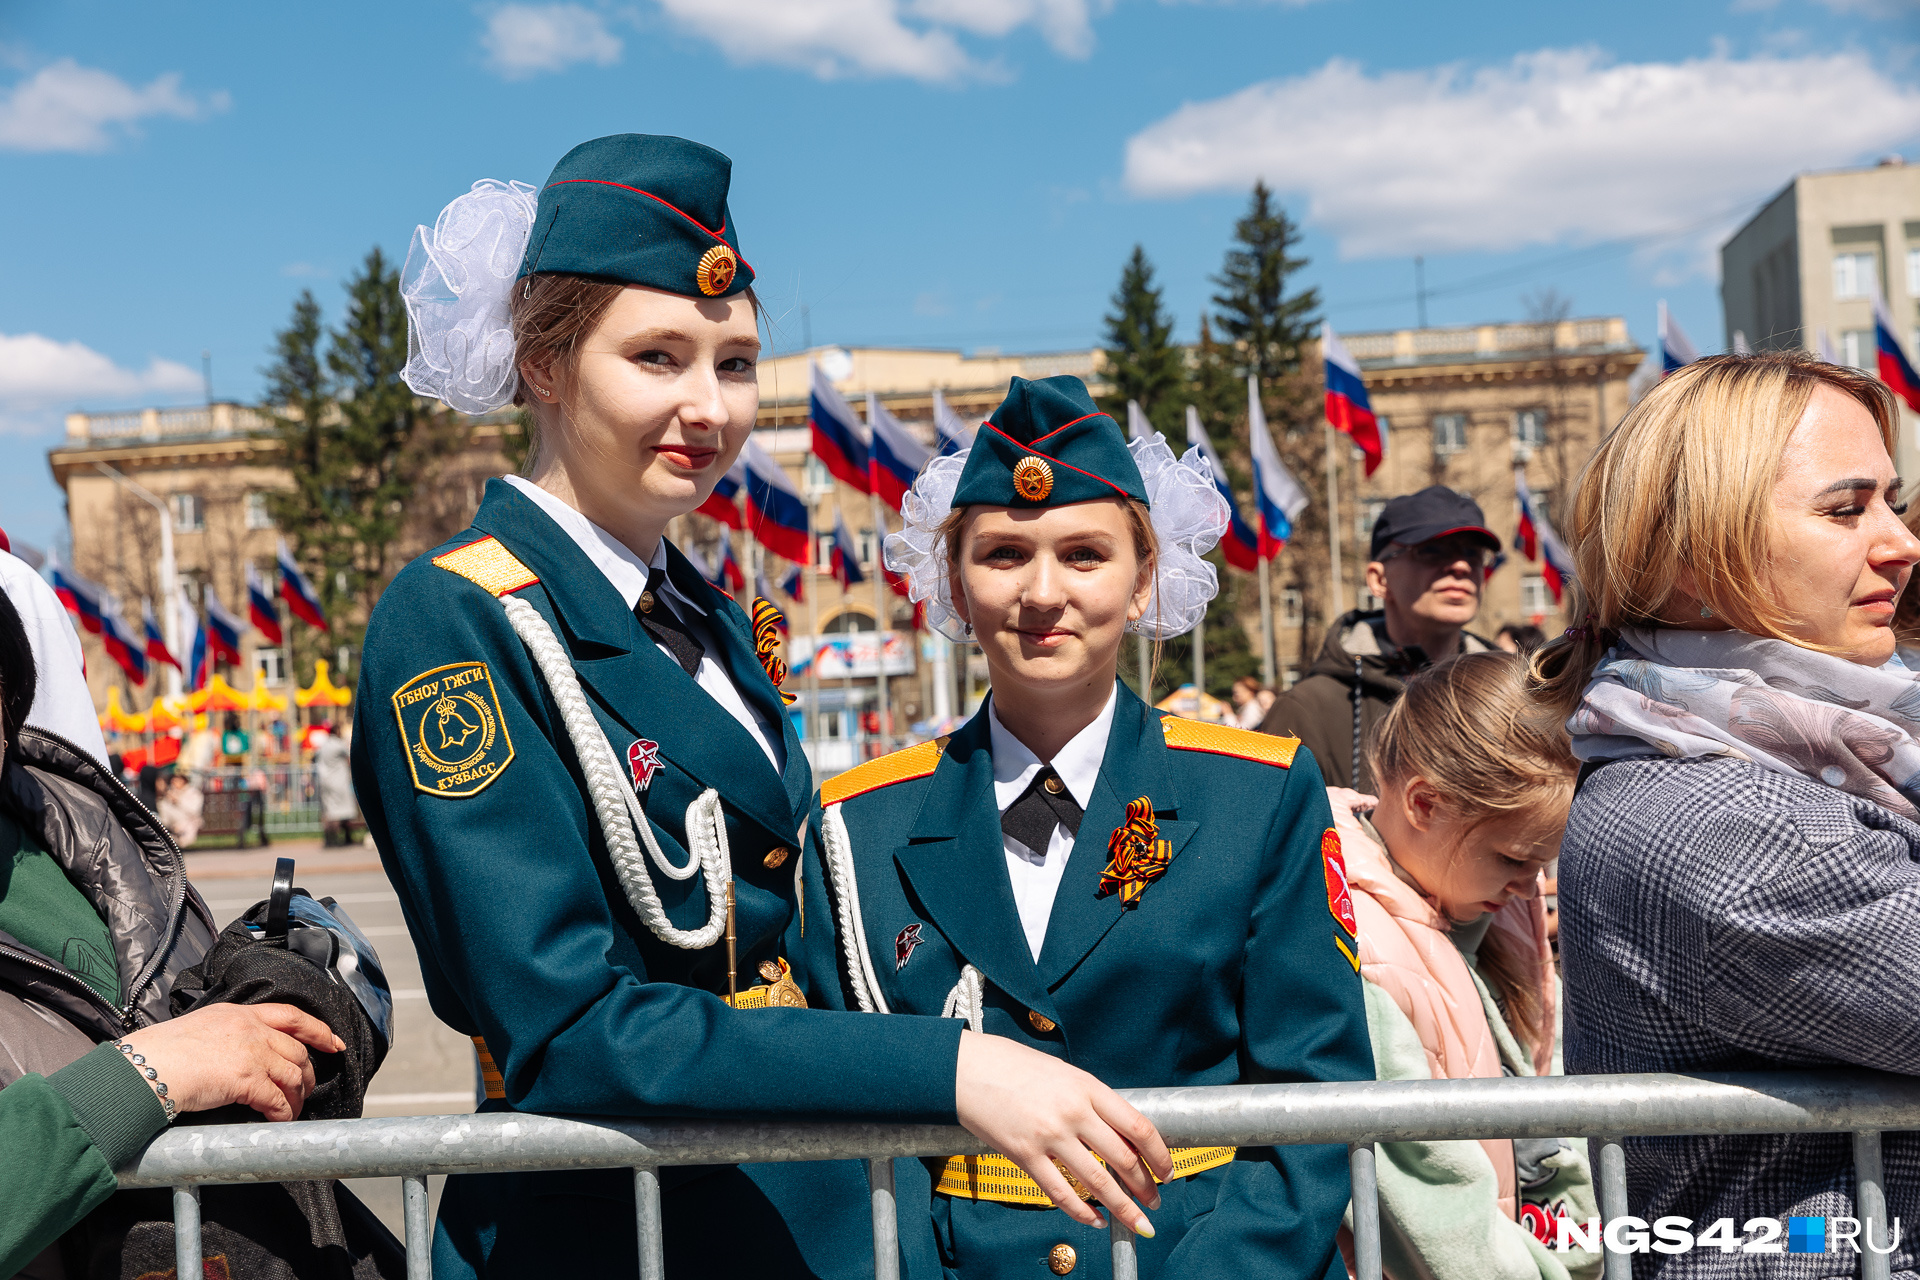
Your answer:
<point x="966" y="173"/>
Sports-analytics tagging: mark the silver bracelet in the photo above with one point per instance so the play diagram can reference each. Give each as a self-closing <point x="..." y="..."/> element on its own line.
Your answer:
<point x="154" y="1081"/>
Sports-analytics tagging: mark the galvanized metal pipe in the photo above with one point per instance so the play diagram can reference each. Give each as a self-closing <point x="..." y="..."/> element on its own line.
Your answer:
<point x="186" y="1231"/>
<point x="1366" y="1210"/>
<point x="1870" y="1204"/>
<point x="1609" y="1162"/>
<point x="413" y="1193"/>
<point x="646" y="1214"/>
<point x="886" y="1221"/>
<point x="1126" y="1263"/>
<point x="1223" y="1115"/>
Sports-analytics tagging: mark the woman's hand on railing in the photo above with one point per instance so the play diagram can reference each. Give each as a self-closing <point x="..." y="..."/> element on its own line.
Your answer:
<point x="1035" y="1109"/>
<point x="254" y="1054"/>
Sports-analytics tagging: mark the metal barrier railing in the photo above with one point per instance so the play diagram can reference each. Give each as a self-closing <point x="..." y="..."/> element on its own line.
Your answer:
<point x="1357" y="1115"/>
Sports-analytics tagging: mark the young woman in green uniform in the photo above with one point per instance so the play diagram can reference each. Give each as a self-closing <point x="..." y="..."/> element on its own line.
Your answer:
<point x="583" y="782"/>
<point x="1159" y="901"/>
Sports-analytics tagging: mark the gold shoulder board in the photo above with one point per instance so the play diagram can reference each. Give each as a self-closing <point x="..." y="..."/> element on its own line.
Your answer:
<point x="901" y="766"/>
<point x="1220" y="740"/>
<point x="489" y="564"/>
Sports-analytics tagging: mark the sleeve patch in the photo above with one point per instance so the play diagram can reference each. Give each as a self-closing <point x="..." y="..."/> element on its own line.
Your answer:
<point x="455" y="734"/>
<point x="1221" y="740"/>
<point x="1339" y="897"/>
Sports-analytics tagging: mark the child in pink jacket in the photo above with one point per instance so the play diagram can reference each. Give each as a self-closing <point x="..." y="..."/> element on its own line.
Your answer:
<point x="1459" y="976"/>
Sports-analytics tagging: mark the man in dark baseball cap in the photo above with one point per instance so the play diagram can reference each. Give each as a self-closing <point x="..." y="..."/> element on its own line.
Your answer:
<point x="1430" y="555"/>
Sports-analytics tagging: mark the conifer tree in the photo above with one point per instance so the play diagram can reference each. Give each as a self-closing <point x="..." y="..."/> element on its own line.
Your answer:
<point x="1255" y="312"/>
<point x="358" y="444"/>
<point x="1143" y="364"/>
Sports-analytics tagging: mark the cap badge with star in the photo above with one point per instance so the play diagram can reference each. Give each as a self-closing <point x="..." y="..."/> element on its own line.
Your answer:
<point x="1048" y="445"/>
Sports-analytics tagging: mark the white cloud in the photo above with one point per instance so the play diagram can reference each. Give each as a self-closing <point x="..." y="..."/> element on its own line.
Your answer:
<point x="526" y="39"/>
<point x="1555" y="146"/>
<point x="67" y="107"/>
<point x="917" y="39"/>
<point x="1875" y="8"/>
<point x="38" y="373"/>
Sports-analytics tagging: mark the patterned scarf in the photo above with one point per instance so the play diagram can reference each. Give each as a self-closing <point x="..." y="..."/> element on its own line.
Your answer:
<point x="1726" y="693"/>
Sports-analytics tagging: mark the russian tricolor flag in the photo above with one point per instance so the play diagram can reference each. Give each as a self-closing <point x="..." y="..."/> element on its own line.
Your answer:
<point x="199" y="660"/>
<point x="299" y="594"/>
<point x="730" y="572"/>
<point x="1536" y="540"/>
<point x="723" y="504"/>
<point x="1276" y="494"/>
<point x="260" y="608"/>
<point x="85" y="600"/>
<point x="775" y="511"/>
<point x="1895" y="369"/>
<point x="129" y="655"/>
<point x="896" y="457"/>
<point x="795" y="584"/>
<point x="1348" y="408"/>
<point x="837" y="438"/>
<point x="223" y="629"/>
<point x="1676" y="348"/>
<point x="156" y="647"/>
<point x="948" y="429"/>
<point x="1138" y="428"/>
<point x="846" y="557"/>
<point x="1240" y="545"/>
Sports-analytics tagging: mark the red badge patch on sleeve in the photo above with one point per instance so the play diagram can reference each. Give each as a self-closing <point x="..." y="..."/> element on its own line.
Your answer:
<point x="1339" y="899"/>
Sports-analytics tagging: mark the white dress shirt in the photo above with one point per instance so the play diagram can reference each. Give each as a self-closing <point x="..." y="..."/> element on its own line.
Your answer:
<point x="1036" y="876"/>
<point x="628" y="574"/>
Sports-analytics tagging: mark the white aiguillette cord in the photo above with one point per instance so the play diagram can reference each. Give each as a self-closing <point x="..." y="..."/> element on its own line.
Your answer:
<point x="617" y="808"/>
<point x="966" y="1000"/>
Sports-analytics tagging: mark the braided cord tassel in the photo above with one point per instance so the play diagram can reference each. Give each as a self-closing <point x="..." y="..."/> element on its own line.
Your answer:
<point x="838" y="866"/>
<point x="617" y="808"/>
<point x="769" y="624"/>
<point x="1136" y="856"/>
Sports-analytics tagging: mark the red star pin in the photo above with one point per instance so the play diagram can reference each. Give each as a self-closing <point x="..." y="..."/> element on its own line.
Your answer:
<point x="643" y="759"/>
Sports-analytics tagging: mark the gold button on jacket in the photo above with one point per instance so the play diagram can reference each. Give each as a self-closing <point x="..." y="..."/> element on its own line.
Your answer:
<point x="1041" y="1022"/>
<point x="1060" y="1259"/>
<point x="776" y="857"/>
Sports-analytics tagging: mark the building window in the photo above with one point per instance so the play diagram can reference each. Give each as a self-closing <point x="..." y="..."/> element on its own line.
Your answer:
<point x="819" y="480"/>
<point x="1535" y="600"/>
<point x="1530" y="428"/>
<point x="273" y="665"/>
<point x="1367" y="514"/>
<point x="1289" y="677"/>
<point x="1449" y="433"/>
<point x="258" y="516"/>
<point x="867" y="548"/>
<point x="1290" y="607"/>
<point x="1857" y="349"/>
<point x="824" y="552"/>
<point x="189" y="513"/>
<point x="1852" y="275"/>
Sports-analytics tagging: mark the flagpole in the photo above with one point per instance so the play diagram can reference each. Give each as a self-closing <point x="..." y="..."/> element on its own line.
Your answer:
<point x="880" y="590"/>
<point x="1266" y="626"/>
<point x="1199" y="665"/>
<point x="808" y="576"/>
<point x="1333" y="528"/>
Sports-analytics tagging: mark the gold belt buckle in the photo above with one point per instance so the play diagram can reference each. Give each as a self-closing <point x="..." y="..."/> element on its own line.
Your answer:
<point x="779" y="991"/>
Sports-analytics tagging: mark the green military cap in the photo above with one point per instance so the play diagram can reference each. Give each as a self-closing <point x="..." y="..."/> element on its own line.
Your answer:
<point x="641" y="209"/>
<point x="1048" y="445"/>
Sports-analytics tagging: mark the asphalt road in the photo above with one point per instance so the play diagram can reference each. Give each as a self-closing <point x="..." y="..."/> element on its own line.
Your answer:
<point x="430" y="1069"/>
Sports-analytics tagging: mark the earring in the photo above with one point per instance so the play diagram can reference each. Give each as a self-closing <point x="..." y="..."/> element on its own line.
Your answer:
<point x="1706" y="610"/>
<point x="543" y="392"/>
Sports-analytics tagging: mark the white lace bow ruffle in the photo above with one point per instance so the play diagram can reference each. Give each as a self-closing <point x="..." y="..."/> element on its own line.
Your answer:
<point x="458" y="284"/>
<point x="1188" y="514"/>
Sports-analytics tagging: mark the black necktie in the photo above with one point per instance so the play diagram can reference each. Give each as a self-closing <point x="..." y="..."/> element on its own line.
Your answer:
<point x="1045" y="803"/>
<point x="664" y="625"/>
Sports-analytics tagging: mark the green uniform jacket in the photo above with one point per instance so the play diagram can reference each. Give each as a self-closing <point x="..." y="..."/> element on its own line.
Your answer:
<point x="64" y="1135"/>
<point x="1230" y="969"/>
<point x="526" y="937"/>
